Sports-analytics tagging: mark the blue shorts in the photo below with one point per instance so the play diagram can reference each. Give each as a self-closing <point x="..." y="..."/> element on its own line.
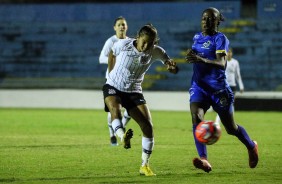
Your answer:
<point x="221" y="101"/>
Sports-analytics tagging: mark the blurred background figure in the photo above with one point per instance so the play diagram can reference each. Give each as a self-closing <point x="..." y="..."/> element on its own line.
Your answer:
<point x="233" y="76"/>
<point x="120" y="27"/>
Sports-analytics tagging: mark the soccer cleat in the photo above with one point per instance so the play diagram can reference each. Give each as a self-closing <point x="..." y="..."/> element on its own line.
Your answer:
<point x="145" y="170"/>
<point x="253" y="156"/>
<point x="202" y="164"/>
<point x="113" y="140"/>
<point x="126" y="138"/>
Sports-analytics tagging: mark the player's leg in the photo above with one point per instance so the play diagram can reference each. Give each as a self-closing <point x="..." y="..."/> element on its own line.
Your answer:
<point x="197" y="113"/>
<point x="112" y="100"/>
<point x="237" y="130"/>
<point x="142" y="116"/>
<point x="113" y="138"/>
<point x="125" y="118"/>
<point x="198" y="107"/>
<point x="225" y="111"/>
<point x="114" y="105"/>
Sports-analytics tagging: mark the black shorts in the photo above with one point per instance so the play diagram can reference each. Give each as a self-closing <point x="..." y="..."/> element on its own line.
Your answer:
<point x="128" y="100"/>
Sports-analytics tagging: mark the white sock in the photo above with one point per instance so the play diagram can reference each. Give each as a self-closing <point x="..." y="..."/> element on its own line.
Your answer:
<point x="147" y="148"/>
<point x="125" y="118"/>
<point x="111" y="130"/>
<point x="118" y="128"/>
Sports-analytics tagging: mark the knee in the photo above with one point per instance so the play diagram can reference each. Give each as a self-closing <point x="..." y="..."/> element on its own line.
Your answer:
<point x="115" y="112"/>
<point x="231" y="131"/>
<point x="196" y="118"/>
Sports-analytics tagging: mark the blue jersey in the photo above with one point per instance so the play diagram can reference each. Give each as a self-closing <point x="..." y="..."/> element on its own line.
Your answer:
<point x="207" y="76"/>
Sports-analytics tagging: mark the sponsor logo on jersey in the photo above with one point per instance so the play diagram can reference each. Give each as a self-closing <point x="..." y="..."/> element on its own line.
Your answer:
<point x="136" y="60"/>
<point x="206" y="45"/>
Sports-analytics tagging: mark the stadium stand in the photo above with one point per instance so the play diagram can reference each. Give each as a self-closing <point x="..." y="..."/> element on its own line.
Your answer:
<point x="58" y="45"/>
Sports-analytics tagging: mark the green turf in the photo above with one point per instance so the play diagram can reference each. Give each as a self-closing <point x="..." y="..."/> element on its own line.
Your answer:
<point x="72" y="146"/>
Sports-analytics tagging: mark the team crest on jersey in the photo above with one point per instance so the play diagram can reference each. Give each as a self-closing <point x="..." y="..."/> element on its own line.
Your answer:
<point x="206" y="44"/>
<point x="112" y="91"/>
<point x="136" y="60"/>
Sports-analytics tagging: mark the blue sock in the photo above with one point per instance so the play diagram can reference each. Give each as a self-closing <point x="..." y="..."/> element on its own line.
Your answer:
<point x="201" y="148"/>
<point x="244" y="137"/>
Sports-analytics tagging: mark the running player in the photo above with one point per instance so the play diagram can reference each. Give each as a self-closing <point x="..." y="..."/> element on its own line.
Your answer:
<point x="209" y="86"/>
<point x="128" y="62"/>
<point x="233" y="76"/>
<point x="120" y="27"/>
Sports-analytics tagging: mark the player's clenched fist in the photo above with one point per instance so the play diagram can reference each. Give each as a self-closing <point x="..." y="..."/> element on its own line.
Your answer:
<point x="172" y="67"/>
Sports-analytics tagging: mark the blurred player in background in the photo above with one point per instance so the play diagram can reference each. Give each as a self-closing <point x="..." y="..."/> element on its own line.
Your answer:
<point x="120" y="27"/>
<point x="209" y="87"/>
<point x="128" y="62"/>
<point x="233" y="76"/>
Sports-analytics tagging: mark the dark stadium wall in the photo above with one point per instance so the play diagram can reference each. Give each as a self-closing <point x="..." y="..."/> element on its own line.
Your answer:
<point x="108" y="12"/>
<point x="57" y="45"/>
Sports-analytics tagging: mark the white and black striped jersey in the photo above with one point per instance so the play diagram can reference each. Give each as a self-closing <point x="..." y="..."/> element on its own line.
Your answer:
<point x="103" y="58"/>
<point x="131" y="65"/>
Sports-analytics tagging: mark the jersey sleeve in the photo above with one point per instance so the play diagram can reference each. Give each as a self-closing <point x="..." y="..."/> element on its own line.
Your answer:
<point x="103" y="58"/>
<point x="117" y="46"/>
<point x="222" y="44"/>
<point x="160" y="54"/>
<point x="195" y="37"/>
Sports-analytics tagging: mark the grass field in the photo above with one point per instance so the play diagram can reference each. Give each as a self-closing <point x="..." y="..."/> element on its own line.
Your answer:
<point x="72" y="146"/>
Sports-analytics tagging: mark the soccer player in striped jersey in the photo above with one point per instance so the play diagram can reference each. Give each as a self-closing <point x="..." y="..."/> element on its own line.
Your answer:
<point x="120" y="27"/>
<point x="210" y="88"/>
<point x="128" y="62"/>
<point x="233" y="76"/>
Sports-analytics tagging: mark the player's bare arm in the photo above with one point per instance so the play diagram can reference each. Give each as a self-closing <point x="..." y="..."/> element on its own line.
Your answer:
<point x="191" y="57"/>
<point x="219" y="61"/>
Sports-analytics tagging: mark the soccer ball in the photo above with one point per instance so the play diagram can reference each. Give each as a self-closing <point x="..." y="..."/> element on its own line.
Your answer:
<point x="208" y="132"/>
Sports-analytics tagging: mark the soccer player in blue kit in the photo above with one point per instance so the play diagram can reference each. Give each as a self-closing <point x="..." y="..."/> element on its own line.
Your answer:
<point x="209" y="86"/>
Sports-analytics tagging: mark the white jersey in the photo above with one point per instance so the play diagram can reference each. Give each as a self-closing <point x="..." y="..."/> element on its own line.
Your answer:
<point x="233" y="73"/>
<point x="131" y="65"/>
<point x="103" y="58"/>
